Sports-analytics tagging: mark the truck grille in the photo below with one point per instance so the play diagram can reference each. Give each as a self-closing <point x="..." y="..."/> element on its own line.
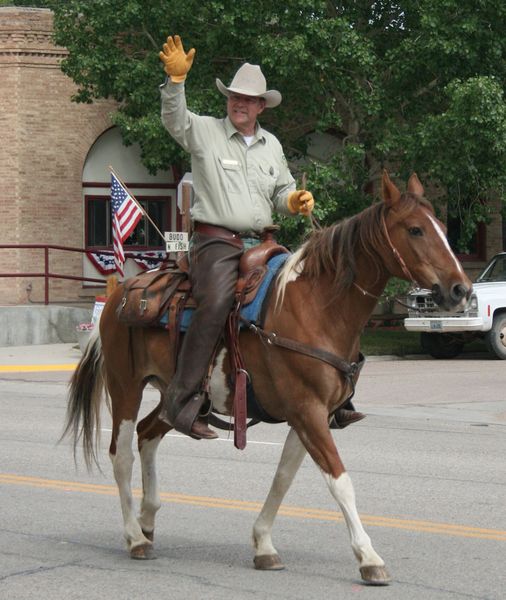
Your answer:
<point x="423" y="304"/>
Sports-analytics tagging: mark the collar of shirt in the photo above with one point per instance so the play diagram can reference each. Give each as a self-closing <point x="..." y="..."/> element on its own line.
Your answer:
<point x="231" y="130"/>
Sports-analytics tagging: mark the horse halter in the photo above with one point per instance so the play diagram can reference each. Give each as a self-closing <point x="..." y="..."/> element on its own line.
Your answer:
<point x="397" y="256"/>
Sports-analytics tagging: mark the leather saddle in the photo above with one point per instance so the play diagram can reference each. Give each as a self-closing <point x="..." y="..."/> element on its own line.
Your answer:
<point x="163" y="293"/>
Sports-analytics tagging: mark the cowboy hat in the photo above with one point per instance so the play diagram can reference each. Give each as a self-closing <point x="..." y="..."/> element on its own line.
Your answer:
<point x="250" y="81"/>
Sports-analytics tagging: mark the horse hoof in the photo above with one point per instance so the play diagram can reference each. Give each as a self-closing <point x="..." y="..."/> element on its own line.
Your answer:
<point x="143" y="552"/>
<point x="375" y="575"/>
<point x="149" y="535"/>
<point x="268" y="562"/>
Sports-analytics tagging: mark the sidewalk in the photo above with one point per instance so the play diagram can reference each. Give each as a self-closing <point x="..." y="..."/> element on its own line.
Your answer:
<point x="64" y="355"/>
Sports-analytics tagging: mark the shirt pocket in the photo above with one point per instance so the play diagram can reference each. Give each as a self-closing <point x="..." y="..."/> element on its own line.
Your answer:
<point x="268" y="177"/>
<point x="231" y="174"/>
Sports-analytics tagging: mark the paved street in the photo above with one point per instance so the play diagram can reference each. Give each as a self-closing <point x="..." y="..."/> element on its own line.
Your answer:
<point x="428" y="466"/>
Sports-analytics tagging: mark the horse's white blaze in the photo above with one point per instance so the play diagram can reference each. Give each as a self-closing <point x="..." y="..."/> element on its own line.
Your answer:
<point x="291" y="459"/>
<point x="150" y="494"/>
<point x="122" y="463"/>
<point x="218" y="386"/>
<point x="343" y="492"/>
<point x="442" y="236"/>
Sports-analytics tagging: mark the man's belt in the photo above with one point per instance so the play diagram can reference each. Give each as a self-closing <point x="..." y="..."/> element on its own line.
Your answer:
<point x="222" y="232"/>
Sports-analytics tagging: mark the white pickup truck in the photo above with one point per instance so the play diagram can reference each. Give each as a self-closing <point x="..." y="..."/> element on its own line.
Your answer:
<point x="443" y="335"/>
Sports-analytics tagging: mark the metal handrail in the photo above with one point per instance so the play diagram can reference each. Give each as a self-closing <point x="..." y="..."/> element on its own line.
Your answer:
<point x="46" y="274"/>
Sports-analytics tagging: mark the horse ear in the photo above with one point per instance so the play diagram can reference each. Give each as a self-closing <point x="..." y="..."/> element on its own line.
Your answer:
<point x="389" y="191"/>
<point x="414" y="185"/>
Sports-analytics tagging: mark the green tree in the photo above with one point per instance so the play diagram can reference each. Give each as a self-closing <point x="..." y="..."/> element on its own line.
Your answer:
<point x="413" y="85"/>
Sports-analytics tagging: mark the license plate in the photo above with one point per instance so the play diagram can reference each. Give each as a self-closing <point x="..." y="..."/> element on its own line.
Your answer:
<point x="176" y="241"/>
<point x="436" y="325"/>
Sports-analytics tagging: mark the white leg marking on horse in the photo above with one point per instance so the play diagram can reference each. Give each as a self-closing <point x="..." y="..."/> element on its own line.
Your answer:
<point x="122" y="463"/>
<point x="218" y="387"/>
<point x="150" y="494"/>
<point x="291" y="458"/>
<point x="343" y="492"/>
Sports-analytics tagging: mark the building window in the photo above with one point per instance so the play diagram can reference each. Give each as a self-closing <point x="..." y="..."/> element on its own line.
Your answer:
<point x="476" y="247"/>
<point x="99" y="226"/>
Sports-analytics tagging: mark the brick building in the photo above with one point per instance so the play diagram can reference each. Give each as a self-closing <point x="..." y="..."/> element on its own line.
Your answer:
<point x="54" y="160"/>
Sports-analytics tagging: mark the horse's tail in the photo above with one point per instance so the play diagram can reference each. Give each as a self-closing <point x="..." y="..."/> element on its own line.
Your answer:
<point x="86" y="390"/>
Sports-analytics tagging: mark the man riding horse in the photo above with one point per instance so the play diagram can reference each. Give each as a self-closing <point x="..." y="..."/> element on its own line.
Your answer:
<point x="240" y="175"/>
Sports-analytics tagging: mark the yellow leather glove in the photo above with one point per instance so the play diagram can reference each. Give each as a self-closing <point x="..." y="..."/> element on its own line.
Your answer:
<point x="301" y="201"/>
<point x="176" y="63"/>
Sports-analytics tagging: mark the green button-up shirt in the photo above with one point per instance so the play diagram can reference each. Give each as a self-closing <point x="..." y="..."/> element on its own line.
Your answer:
<point x="235" y="185"/>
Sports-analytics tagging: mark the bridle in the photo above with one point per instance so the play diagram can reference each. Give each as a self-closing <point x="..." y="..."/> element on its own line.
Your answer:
<point x="397" y="256"/>
<point x="316" y="225"/>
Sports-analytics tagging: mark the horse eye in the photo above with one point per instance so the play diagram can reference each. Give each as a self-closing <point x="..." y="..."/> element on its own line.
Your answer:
<point x="415" y="231"/>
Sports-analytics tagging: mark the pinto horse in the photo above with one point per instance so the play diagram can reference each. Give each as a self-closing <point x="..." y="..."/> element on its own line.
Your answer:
<point x="324" y="296"/>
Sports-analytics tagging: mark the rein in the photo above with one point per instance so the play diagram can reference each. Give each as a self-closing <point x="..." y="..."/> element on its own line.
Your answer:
<point x="365" y="292"/>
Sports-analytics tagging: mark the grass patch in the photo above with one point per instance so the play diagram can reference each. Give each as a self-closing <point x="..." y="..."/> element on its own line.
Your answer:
<point x="400" y="342"/>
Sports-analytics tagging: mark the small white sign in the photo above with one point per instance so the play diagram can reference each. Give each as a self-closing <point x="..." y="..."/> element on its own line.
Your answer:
<point x="176" y="241"/>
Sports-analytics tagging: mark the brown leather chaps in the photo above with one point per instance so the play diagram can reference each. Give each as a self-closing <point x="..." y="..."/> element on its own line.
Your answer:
<point x="214" y="270"/>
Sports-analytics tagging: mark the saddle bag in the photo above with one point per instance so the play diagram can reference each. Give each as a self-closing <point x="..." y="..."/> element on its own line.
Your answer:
<point x="146" y="298"/>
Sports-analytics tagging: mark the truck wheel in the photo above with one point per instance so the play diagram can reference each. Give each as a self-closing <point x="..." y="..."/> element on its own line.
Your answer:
<point x="496" y="337"/>
<point x="441" y="345"/>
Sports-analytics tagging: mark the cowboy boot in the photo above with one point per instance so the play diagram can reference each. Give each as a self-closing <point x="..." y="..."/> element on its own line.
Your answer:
<point x="182" y="413"/>
<point x="345" y="415"/>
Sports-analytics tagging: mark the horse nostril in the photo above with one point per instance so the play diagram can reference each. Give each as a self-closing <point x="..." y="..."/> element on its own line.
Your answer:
<point x="458" y="292"/>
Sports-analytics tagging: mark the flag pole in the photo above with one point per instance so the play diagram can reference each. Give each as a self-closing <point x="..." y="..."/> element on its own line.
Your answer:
<point x="139" y="205"/>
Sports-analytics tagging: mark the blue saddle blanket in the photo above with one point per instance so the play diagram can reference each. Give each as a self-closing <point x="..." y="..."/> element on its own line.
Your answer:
<point x="251" y="311"/>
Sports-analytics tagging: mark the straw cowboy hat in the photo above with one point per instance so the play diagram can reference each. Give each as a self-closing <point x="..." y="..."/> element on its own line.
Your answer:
<point x="250" y="81"/>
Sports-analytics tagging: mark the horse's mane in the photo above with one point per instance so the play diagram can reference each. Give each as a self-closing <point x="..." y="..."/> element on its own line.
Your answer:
<point x="331" y="251"/>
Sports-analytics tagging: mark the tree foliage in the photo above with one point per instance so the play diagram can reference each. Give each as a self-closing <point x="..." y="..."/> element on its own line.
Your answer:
<point x="412" y="85"/>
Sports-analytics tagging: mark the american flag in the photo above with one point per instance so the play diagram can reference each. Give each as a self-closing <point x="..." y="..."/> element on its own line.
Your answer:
<point x="125" y="216"/>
